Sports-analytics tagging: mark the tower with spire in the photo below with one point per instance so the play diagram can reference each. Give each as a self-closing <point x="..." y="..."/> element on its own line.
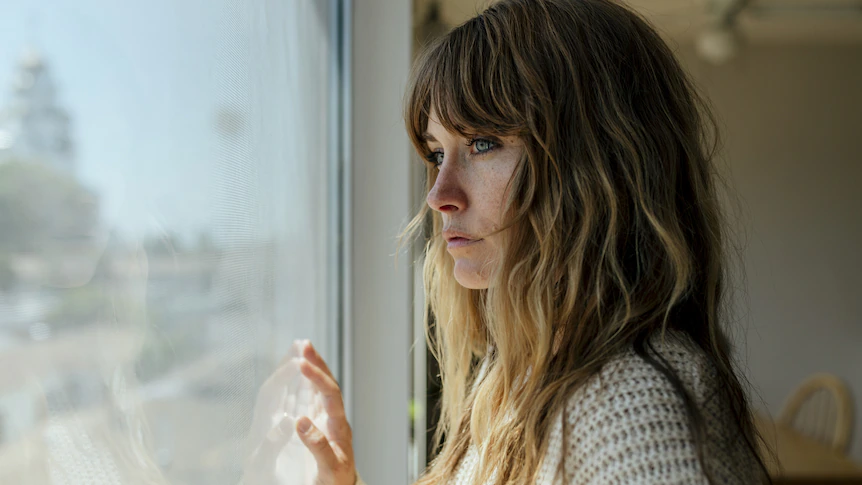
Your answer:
<point x="33" y="126"/>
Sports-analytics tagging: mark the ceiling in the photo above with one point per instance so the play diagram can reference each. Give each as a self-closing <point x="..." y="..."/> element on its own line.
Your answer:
<point x="779" y="21"/>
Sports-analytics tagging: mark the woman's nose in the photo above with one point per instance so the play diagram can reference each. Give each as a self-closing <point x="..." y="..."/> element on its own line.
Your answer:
<point x="447" y="195"/>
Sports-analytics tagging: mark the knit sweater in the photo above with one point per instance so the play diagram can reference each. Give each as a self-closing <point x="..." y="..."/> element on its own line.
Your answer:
<point x="628" y="426"/>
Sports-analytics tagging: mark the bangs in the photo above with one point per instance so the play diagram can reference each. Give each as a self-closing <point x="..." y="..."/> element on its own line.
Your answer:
<point x="468" y="78"/>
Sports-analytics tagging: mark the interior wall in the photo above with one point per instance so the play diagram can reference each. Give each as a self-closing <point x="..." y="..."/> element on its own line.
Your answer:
<point x="792" y="120"/>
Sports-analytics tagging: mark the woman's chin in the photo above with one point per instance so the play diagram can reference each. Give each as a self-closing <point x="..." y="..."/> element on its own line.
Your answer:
<point x="470" y="277"/>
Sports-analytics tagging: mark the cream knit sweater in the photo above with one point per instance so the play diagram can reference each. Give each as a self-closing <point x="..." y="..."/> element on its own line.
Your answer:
<point x="628" y="426"/>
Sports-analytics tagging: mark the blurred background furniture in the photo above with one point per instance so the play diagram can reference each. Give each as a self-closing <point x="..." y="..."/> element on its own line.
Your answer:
<point x="821" y="408"/>
<point x="807" y="443"/>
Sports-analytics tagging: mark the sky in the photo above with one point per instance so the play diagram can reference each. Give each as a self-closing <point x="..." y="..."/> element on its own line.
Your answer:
<point x="138" y="80"/>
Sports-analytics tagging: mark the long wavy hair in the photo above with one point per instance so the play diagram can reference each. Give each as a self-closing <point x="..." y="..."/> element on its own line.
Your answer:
<point x="613" y="226"/>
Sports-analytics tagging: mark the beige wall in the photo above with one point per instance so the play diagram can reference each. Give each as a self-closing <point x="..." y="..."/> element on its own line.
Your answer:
<point x="793" y="118"/>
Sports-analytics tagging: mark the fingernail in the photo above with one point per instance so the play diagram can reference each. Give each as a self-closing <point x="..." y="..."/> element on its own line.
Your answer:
<point x="303" y="425"/>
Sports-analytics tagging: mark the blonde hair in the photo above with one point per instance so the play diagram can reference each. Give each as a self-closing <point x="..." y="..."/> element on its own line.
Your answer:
<point x="614" y="230"/>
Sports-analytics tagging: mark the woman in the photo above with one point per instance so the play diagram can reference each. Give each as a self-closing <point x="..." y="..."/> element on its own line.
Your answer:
<point x="576" y="269"/>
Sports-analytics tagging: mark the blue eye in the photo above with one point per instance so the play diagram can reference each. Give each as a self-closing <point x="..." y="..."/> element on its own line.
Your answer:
<point x="435" y="158"/>
<point x="483" y="145"/>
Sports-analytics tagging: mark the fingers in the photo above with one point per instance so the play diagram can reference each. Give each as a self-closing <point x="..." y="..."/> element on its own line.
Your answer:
<point x="285" y="376"/>
<point x="285" y="390"/>
<point x="340" y="434"/>
<point x="334" y="406"/>
<point x="310" y="354"/>
<point x="316" y="442"/>
<point x="286" y="370"/>
<point x="303" y="400"/>
<point x="326" y="385"/>
<point x="294" y="351"/>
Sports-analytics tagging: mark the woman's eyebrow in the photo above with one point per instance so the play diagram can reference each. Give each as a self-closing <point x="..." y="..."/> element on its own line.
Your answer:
<point x="428" y="137"/>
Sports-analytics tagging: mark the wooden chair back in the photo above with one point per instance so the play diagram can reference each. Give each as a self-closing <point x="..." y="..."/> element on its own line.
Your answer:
<point x="821" y="408"/>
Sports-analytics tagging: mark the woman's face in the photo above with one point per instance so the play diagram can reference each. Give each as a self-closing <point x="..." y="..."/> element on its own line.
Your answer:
<point x="469" y="193"/>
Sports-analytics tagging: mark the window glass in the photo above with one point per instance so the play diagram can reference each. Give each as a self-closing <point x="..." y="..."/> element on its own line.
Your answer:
<point x="168" y="218"/>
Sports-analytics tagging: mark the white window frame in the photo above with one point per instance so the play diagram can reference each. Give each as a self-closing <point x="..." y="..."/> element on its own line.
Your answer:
<point x="378" y="201"/>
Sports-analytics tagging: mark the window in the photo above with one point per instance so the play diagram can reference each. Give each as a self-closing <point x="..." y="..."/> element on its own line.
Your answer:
<point x="171" y="203"/>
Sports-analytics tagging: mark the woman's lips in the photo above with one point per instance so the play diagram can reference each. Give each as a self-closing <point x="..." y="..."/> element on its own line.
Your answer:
<point x="460" y="242"/>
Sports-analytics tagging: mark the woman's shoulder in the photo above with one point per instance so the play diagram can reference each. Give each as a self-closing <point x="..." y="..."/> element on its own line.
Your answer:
<point x="630" y="423"/>
<point x="629" y="372"/>
<point x="629" y="391"/>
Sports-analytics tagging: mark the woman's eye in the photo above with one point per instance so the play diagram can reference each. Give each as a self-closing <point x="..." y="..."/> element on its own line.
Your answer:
<point x="483" y="145"/>
<point x="435" y="158"/>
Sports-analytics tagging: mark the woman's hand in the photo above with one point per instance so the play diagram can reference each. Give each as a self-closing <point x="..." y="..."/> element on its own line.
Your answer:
<point x="299" y="433"/>
<point x="332" y="446"/>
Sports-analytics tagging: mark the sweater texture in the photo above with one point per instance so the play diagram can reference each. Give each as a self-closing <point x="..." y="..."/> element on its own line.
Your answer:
<point x="628" y="425"/>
